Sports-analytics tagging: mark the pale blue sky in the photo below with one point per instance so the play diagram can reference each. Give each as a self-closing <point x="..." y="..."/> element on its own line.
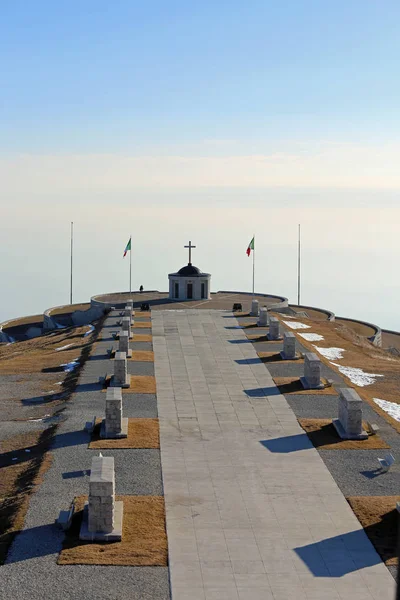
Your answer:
<point x="207" y="121"/>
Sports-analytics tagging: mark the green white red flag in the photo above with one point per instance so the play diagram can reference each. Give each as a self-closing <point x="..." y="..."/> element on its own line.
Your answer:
<point x="128" y="247"/>
<point x="250" y="247"/>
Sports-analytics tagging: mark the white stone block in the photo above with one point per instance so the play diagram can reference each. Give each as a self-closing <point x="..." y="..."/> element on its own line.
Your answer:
<point x="349" y="423"/>
<point x="254" y="308"/>
<point x="263" y="320"/>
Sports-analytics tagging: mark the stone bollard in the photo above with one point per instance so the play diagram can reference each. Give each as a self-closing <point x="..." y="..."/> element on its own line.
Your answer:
<point x="123" y="345"/>
<point x="114" y="426"/>
<point x="349" y="423"/>
<point x="312" y="372"/>
<point x="254" y="308"/>
<point x="121" y="377"/>
<point x="263" y="319"/>
<point x="126" y="325"/>
<point x="273" y="333"/>
<point x="102" y="515"/>
<point x="289" y="346"/>
<point x="127" y="313"/>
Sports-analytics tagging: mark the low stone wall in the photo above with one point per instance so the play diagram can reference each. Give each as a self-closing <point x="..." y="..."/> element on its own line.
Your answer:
<point x="375" y="338"/>
<point x="282" y="302"/>
<point x="51" y="320"/>
<point x="21" y="328"/>
<point x="330" y="316"/>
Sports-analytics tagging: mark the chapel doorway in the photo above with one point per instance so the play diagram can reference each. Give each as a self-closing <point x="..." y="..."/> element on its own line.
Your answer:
<point x="189" y="294"/>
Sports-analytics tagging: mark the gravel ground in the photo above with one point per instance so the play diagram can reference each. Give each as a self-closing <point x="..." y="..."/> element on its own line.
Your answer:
<point x="31" y="571"/>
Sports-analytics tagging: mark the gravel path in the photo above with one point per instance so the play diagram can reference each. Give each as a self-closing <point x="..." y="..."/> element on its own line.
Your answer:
<point x="31" y="572"/>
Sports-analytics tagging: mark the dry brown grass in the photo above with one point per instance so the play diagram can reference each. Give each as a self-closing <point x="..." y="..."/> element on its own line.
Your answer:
<point x="293" y="385"/>
<point x="144" y="538"/>
<point x="267" y="357"/>
<point x="19" y="479"/>
<point x="141" y="325"/>
<point x="359" y="353"/>
<point x="379" y="517"/>
<point x="143" y="356"/>
<point x="70" y="308"/>
<point x="140" y="384"/>
<point x="139" y="313"/>
<point x="260" y="338"/>
<point x="138" y="337"/>
<point x="142" y="433"/>
<point x="37" y="354"/>
<point x="322" y="434"/>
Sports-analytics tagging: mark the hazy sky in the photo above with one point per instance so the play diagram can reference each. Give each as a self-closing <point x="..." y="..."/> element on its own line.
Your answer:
<point x="206" y="121"/>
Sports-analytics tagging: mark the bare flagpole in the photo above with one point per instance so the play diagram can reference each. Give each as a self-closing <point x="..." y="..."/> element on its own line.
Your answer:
<point x="72" y="247"/>
<point x="254" y="253"/>
<point x="298" y="270"/>
<point x="130" y="267"/>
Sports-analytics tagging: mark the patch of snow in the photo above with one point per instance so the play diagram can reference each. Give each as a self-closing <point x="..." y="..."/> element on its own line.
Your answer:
<point x="68" y="367"/>
<point x="358" y="376"/>
<point x="89" y="331"/>
<point x="330" y="353"/>
<point x="391" y="408"/>
<point x="59" y="326"/>
<point x="63" y="347"/>
<point x="312" y="337"/>
<point x="296" y="325"/>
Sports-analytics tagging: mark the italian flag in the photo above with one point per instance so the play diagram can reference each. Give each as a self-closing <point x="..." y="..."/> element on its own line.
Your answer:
<point x="250" y="247"/>
<point x="128" y="247"/>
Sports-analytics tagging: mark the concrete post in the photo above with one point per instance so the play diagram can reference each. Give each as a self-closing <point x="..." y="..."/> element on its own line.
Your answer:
<point x="274" y="329"/>
<point x="126" y="325"/>
<point x="102" y="517"/>
<point x="349" y="423"/>
<point x="254" y="308"/>
<point x="263" y="319"/>
<point x="114" y="426"/>
<point x="123" y="345"/>
<point x="312" y="371"/>
<point x="289" y="346"/>
<point x="121" y="377"/>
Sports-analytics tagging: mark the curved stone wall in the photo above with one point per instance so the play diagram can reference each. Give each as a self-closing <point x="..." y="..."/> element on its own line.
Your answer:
<point x="329" y="316"/>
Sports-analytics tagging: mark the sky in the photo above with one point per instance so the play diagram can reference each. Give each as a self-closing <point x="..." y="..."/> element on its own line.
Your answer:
<point x="206" y="121"/>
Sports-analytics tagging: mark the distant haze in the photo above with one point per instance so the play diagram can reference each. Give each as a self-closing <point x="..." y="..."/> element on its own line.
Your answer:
<point x="208" y="121"/>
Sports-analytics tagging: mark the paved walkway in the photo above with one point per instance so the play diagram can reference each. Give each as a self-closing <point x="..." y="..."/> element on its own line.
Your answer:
<point x="252" y="511"/>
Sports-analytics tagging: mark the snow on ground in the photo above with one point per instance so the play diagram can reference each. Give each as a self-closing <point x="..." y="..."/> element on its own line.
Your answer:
<point x="89" y="331"/>
<point x="330" y="353"/>
<point x="68" y="367"/>
<point x="312" y="337"/>
<point x="296" y="325"/>
<point x="358" y="376"/>
<point x="391" y="408"/>
<point x="63" y="347"/>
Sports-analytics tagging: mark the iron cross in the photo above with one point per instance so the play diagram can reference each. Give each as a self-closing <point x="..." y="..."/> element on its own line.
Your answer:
<point x="190" y="251"/>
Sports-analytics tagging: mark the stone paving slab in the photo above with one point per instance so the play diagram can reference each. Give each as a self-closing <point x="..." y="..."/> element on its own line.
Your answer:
<point x="252" y="510"/>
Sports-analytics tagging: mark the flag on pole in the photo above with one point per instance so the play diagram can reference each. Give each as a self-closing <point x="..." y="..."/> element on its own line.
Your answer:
<point x="128" y="247"/>
<point x="250" y="247"/>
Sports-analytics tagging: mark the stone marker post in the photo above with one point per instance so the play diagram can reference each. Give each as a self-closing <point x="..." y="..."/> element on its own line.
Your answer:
<point x="121" y="377"/>
<point x="254" y="308"/>
<point x="312" y="371"/>
<point x="127" y="313"/>
<point x="274" y="329"/>
<point x="263" y="319"/>
<point x="102" y="517"/>
<point x="126" y="325"/>
<point x="114" y="426"/>
<point x="289" y="346"/>
<point x="123" y="345"/>
<point x="349" y="423"/>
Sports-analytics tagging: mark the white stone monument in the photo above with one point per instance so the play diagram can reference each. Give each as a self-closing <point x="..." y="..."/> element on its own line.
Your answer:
<point x="189" y="283"/>
<point x="254" y="308"/>
<point x="126" y="325"/>
<point x="289" y="346"/>
<point x="263" y="319"/>
<point x="273" y="333"/>
<point x="114" y="425"/>
<point x="121" y="377"/>
<point x="349" y="423"/>
<point x="123" y="344"/>
<point x="102" y="515"/>
<point x="312" y="372"/>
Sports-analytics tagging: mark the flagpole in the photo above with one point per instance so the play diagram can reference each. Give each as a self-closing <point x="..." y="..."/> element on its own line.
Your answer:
<point x="72" y="246"/>
<point x="254" y="258"/>
<point x="130" y="267"/>
<point x="298" y="269"/>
